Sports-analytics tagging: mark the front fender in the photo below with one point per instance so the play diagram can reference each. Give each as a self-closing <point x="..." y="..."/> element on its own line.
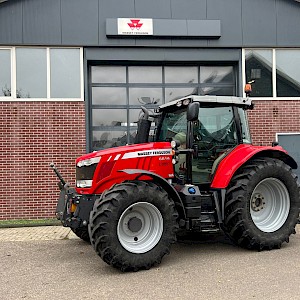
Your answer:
<point x="240" y="155"/>
<point x="161" y="181"/>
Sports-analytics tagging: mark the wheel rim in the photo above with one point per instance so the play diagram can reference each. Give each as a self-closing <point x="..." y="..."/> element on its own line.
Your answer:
<point x="140" y="227"/>
<point x="270" y="205"/>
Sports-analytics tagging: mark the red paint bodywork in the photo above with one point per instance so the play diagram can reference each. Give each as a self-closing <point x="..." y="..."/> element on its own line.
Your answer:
<point x="144" y="156"/>
<point x="236" y="158"/>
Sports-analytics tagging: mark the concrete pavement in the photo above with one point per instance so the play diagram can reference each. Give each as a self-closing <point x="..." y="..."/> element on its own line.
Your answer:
<point x="50" y="262"/>
<point x="41" y="233"/>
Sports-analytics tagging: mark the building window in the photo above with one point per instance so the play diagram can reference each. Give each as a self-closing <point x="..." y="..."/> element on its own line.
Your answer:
<point x="259" y="64"/>
<point x="31" y="67"/>
<point x="118" y="92"/>
<point x="37" y="73"/>
<point x="5" y="73"/>
<point x="65" y="73"/>
<point x="288" y="73"/>
<point x="274" y="72"/>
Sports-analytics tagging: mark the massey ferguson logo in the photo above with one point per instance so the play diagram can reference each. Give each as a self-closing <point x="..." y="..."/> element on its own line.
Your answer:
<point x="135" y="26"/>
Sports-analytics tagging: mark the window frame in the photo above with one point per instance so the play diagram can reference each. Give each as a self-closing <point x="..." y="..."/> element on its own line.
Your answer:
<point x="13" y="96"/>
<point x="274" y="81"/>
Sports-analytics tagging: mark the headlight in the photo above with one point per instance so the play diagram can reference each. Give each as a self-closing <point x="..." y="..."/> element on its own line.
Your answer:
<point x="88" y="162"/>
<point x="186" y="101"/>
<point x="84" y="183"/>
<point x="179" y="103"/>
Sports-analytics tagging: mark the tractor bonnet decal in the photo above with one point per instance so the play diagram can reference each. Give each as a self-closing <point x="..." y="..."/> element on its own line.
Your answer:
<point x="157" y="152"/>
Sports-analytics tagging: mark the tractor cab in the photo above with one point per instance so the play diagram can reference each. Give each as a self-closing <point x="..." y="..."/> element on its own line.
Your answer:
<point x="210" y="126"/>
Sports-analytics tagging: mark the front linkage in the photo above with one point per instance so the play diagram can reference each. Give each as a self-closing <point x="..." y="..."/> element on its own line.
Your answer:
<point x="73" y="210"/>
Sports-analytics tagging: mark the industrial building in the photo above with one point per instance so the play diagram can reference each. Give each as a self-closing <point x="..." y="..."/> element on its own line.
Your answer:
<point x="74" y="73"/>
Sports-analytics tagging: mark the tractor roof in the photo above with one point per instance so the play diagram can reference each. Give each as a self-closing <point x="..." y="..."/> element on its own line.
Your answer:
<point x="239" y="101"/>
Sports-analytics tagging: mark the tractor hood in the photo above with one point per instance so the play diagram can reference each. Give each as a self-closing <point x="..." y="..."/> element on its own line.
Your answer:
<point x="120" y="152"/>
<point x="97" y="171"/>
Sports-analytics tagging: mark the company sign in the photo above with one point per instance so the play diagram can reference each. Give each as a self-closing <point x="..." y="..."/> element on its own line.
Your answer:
<point x="135" y="26"/>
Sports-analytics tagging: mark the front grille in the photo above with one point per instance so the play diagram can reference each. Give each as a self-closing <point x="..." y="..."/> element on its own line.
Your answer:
<point x="85" y="172"/>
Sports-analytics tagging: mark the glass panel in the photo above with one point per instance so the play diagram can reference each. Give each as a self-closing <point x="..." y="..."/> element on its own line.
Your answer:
<point x="176" y="93"/>
<point x="145" y="74"/>
<point x="245" y="126"/>
<point x="5" y="73"/>
<point x="145" y="96"/>
<point x="134" y="116"/>
<point x="288" y="73"/>
<point x="181" y="74"/>
<point x="31" y="73"/>
<point x="109" y="95"/>
<point x="108" y="74"/>
<point x="217" y="91"/>
<point x="173" y="124"/>
<point x="216" y="124"/>
<point x="259" y="68"/>
<point x="132" y="135"/>
<point x="108" y="139"/>
<point x="214" y="133"/>
<point x="109" y="117"/>
<point x="216" y="74"/>
<point x="65" y="73"/>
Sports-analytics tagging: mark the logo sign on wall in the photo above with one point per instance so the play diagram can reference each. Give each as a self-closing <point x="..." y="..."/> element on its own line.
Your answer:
<point x="135" y="26"/>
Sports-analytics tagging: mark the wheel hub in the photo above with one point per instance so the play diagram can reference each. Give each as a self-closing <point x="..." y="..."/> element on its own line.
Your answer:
<point x="140" y="227"/>
<point x="258" y="202"/>
<point x="135" y="224"/>
<point x="270" y="204"/>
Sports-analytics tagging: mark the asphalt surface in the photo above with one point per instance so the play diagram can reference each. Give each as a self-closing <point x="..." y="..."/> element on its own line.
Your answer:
<point x="51" y="263"/>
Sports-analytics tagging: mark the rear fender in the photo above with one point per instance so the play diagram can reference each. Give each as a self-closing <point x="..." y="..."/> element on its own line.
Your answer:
<point x="240" y="155"/>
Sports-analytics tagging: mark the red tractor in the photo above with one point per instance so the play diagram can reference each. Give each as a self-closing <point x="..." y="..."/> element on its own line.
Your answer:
<point x="199" y="174"/>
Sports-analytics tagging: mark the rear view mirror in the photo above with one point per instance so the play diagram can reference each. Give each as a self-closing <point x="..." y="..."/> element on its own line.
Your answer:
<point x="193" y="111"/>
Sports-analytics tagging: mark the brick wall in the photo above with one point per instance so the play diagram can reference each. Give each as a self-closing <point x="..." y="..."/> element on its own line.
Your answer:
<point x="33" y="134"/>
<point x="271" y="117"/>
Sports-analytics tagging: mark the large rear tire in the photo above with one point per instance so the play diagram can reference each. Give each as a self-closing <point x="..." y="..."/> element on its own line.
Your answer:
<point x="262" y="204"/>
<point x="133" y="225"/>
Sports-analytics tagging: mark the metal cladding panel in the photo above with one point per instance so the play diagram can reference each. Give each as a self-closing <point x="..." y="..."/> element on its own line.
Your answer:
<point x="163" y="27"/>
<point x="204" y="28"/>
<point x="11" y="23"/>
<point x="163" y="54"/>
<point x="191" y="9"/>
<point x="288" y="23"/>
<point x="114" y="9"/>
<point x="259" y="23"/>
<point x="229" y="12"/>
<point x="243" y="23"/>
<point x="79" y="22"/>
<point x="41" y="22"/>
<point x="153" y="9"/>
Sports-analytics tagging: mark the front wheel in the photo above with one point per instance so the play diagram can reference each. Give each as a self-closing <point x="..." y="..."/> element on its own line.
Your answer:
<point x="82" y="233"/>
<point x="133" y="225"/>
<point x="262" y="204"/>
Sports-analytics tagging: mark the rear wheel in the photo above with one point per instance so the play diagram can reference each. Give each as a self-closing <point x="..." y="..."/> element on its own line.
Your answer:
<point x="262" y="204"/>
<point x="133" y="225"/>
